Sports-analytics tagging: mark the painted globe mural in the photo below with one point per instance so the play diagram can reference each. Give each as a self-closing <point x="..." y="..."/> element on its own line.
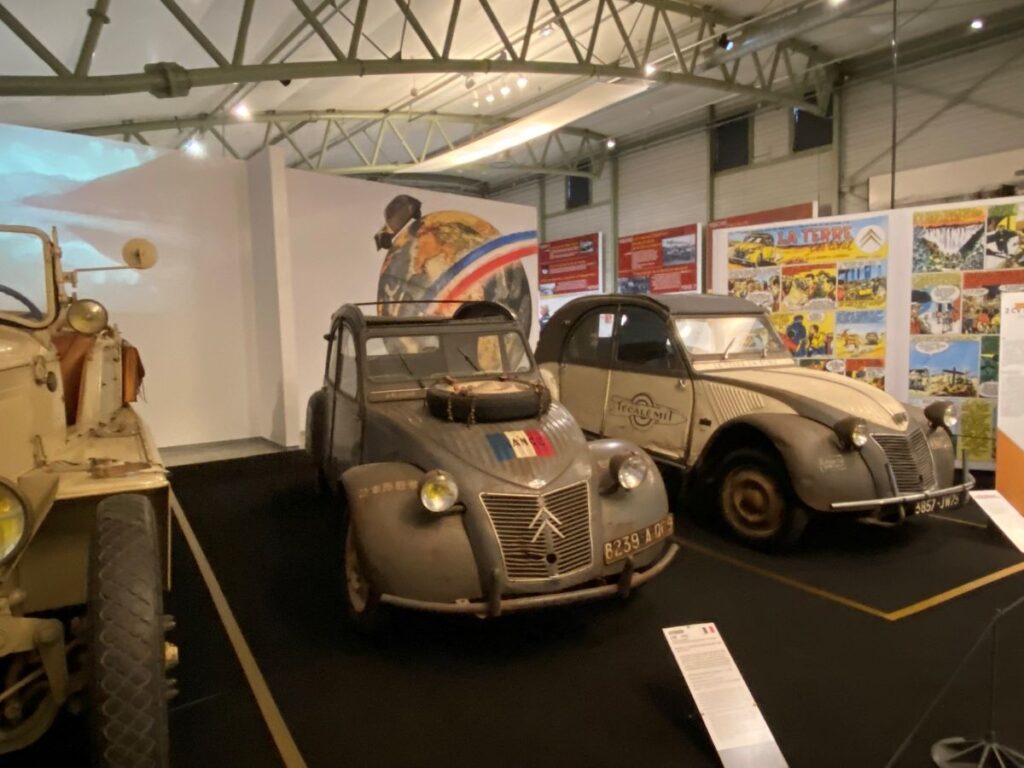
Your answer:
<point x="453" y="256"/>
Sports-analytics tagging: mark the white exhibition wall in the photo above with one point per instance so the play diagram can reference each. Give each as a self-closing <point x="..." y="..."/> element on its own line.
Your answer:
<point x="334" y="261"/>
<point x="230" y="321"/>
<point x="190" y="315"/>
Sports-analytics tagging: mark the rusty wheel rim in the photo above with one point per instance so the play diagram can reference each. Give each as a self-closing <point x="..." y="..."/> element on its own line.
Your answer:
<point x="752" y="503"/>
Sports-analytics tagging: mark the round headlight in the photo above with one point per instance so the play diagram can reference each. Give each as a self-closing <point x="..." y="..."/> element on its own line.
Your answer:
<point x="13" y="522"/>
<point x="631" y="471"/>
<point x="852" y="432"/>
<point x="87" y="316"/>
<point x="941" y="413"/>
<point x="438" y="491"/>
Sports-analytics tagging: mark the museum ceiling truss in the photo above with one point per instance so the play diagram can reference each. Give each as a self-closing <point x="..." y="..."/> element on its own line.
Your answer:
<point x="665" y="42"/>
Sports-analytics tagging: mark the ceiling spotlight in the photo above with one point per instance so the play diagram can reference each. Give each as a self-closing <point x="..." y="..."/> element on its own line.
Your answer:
<point x="489" y="98"/>
<point x="650" y="69"/>
<point x="476" y="102"/>
<point x="978" y="24"/>
<point x="521" y="82"/>
<point x="546" y="30"/>
<point x="610" y="144"/>
<point x="504" y="90"/>
<point x="241" y="111"/>
<point x="725" y="43"/>
<point x="195" y="147"/>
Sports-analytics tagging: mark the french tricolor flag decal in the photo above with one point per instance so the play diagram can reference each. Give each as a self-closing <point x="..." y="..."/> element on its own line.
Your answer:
<point x="520" y="444"/>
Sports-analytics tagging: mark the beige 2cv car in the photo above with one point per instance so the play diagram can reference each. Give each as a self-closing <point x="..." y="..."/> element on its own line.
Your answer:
<point x="83" y="517"/>
<point x="705" y="384"/>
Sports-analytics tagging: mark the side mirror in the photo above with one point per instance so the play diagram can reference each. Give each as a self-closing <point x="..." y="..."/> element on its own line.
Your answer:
<point x="139" y="253"/>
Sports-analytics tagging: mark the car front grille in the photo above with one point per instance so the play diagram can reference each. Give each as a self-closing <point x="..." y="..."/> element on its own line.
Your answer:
<point x="910" y="459"/>
<point x="542" y="535"/>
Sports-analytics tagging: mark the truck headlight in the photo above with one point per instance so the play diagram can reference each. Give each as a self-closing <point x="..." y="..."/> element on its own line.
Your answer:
<point x="852" y="432"/>
<point x="438" y="491"/>
<point x="629" y="470"/>
<point x="941" y="413"/>
<point x="13" y="521"/>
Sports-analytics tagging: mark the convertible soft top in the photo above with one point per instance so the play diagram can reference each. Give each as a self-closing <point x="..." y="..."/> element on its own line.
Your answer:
<point x="551" y="338"/>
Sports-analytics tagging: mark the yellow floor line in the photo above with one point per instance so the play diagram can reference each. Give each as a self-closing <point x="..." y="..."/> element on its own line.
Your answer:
<point x="958" y="520"/>
<point x="809" y="589"/>
<point x="949" y="594"/>
<point x="900" y="613"/>
<point x="264" y="699"/>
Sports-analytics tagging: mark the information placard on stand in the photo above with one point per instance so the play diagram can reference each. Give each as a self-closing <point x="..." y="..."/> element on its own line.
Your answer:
<point x="735" y="724"/>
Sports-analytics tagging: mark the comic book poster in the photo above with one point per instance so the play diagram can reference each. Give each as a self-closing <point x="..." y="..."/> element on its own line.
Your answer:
<point x="861" y="285"/>
<point x="806" y="334"/>
<point x="860" y="334"/>
<point x="981" y="297"/>
<point x="989" y="386"/>
<point x="760" y="286"/>
<point x="951" y="239"/>
<point x="977" y="425"/>
<point x="1004" y="238"/>
<point x="808" y="286"/>
<point x="935" y="303"/>
<point x="867" y="371"/>
<point x="944" y="366"/>
<point x="810" y="243"/>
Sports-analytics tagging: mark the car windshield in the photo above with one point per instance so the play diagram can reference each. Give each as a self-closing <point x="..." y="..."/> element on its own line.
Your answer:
<point x="25" y="295"/>
<point x="729" y="336"/>
<point x="422" y="357"/>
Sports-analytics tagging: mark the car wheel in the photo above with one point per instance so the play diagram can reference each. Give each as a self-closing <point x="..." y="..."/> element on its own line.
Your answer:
<point x="127" y="658"/>
<point x="361" y="600"/>
<point x="756" y="500"/>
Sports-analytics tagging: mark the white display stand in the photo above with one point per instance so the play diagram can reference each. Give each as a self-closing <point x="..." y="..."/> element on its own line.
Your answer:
<point x="735" y="724"/>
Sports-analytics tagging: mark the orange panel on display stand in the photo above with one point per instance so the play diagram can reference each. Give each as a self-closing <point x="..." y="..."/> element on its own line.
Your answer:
<point x="1010" y="416"/>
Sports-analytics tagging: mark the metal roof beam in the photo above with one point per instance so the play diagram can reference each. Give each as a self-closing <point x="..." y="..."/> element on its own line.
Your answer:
<point x="21" y="32"/>
<point x="97" y="18"/>
<point x="196" y="33"/>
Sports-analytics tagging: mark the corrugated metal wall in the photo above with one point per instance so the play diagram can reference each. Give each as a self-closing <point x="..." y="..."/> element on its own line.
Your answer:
<point x="960" y="107"/>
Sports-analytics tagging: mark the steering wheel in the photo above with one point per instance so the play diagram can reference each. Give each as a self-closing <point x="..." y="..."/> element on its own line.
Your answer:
<point x="34" y="312"/>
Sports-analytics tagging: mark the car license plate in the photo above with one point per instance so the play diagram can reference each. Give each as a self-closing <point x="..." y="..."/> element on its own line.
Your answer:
<point x="624" y="546"/>
<point x="938" y="504"/>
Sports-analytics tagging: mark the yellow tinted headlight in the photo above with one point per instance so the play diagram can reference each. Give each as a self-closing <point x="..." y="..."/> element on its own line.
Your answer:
<point x="438" y="491"/>
<point x="13" y="521"/>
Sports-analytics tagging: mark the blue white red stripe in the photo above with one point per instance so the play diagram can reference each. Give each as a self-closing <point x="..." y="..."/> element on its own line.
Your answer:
<point x="478" y="265"/>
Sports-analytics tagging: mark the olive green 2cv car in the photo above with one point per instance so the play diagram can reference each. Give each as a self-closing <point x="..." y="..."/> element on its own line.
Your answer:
<point x="468" y="490"/>
<point x="84" y="524"/>
<point x="705" y="384"/>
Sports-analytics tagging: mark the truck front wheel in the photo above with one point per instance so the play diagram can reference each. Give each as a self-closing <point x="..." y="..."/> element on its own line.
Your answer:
<point x="127" y="655"/>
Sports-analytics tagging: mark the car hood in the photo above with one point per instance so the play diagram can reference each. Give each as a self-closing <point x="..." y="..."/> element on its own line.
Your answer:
<point x="18" y="347"/>
<point x="822" y="396"/>
<point x="408" y="432"/>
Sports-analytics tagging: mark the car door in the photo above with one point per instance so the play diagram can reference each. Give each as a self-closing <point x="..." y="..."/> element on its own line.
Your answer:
<point x="346" y="420"/>
<point x="583" y="368"/>
<point x="650" y="395"/>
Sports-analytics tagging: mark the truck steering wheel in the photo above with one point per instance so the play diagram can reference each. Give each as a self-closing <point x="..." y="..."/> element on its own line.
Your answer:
<point x="34" y="312"/>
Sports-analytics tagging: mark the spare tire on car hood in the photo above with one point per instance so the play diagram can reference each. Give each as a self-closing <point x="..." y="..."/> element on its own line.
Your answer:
<point x="487" y="400"/>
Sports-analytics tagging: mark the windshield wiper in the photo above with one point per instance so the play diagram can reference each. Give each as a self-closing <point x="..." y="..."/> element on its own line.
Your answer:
<point x="408" y="369"/>
<point x="468" y="359"/>
<point x="725" y="352"/>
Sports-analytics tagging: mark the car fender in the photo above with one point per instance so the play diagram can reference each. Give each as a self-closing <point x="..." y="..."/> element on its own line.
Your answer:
<point x="407" y="551"/>
<point x="820" y="470"/>
<point x="315" y="420"/>
<point x="624" y="512"/>
<point x="941" y="443"/>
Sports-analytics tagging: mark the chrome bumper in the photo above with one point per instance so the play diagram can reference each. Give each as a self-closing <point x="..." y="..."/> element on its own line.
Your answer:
<point x="906" y="498"/>
<point x="628" y="580"/>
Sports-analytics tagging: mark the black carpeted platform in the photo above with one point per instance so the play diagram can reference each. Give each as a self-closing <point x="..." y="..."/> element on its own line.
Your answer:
<point x="587" y="685"/>
<point x="886" y="568"/>
<point x="590" y="684"/>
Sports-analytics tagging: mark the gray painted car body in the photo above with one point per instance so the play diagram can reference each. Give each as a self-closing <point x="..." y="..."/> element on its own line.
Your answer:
<point x="455" y="562"/>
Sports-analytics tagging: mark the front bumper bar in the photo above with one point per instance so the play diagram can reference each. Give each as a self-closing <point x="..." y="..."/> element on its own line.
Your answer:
<point x="906" y="498"/>
<point x="628" y="580"/>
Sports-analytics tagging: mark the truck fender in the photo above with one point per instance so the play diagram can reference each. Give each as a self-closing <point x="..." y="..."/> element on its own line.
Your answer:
<point x="406" y="550"/>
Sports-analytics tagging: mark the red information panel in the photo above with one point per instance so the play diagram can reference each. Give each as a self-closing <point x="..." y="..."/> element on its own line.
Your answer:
<point x="571" y="265"/>
<point x="664" y="261"/>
